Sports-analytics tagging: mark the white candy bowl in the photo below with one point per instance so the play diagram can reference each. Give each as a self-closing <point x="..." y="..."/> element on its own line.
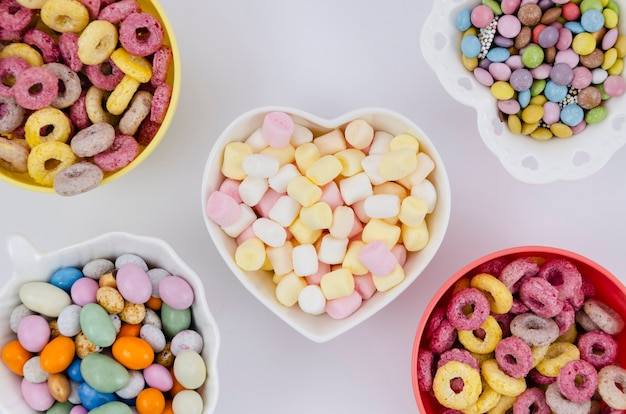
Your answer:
<point x="526" y="159"/>
<point x="31" y="264"/>
<point x="322" y="328"/>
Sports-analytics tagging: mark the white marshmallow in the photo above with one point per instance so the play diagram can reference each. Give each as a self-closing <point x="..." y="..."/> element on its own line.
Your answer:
<point x="256" y="140"/>
<point x="380" y="143"/>
<point x="279" y="181"/>
<point x="246" y="218"/>
<point x="281" y="258"/>
<point x="284" y="211"/>
<point x="371" y="167"/>
<point x="382" y="205"/>
<point x="332" y="250"/>
<point x="355" y="188"/>
<point x="301" y="135"/>
<point x="304" y="258"/>
<point x="252" y="189"/>
<point x="270" y="232"/>
<point x="425" y="165"/>
<point x="311" y="300"/>
<point x="426" y="191"/>
<point x="260" y="165"/>
<point x="343" y="221"/>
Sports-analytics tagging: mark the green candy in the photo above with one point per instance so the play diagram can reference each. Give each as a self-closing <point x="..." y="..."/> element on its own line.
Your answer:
<point x="174" y="320"/>
<point x="60" y="408"/>
<point x="591" y="4"/>
<point x="537" y="87"/>
<point x="113" y="407"/>
<point x="494" y="6"/>
<point x="97" y="325"/>
<point x="103" y="373"/>
<point x="532" y="56"/>
<point x="595" y="115"/>
<point x="613" y="6"/>
<point x="602" y="93"/>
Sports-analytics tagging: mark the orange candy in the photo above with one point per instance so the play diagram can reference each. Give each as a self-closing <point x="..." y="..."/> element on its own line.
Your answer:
<point x="176" y="386"/>
<point x="168" y="407"/>
<point x="15" y="356"/>
<point x="154" y="303"/>
<point x="132" y="352"/>
<point x="150" y="401"/>
<point x="57" y="355"/>
<point x="129" y="329"/>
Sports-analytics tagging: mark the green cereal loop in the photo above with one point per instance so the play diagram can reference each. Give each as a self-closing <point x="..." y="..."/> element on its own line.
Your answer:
<point x="532" y="56"/>
<point x="595" y="115"/>
<point x="613" y="6"/>
<point x="537" y="87"/>
<point x="591" y="4"/>
<point x="493" y="5"/>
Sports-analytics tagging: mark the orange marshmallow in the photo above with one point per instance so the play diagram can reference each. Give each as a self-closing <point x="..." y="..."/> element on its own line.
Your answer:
<point x="281" y="258"/>
<point x="359" y="133"/>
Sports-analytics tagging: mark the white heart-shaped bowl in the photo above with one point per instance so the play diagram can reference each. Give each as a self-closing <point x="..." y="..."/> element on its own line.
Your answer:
<point x="31" y="264"/>
<point x="526" y="159"/>
<point x="322" y="328"/>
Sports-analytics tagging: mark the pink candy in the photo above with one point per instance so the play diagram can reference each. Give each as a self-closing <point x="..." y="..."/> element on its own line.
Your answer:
<point x="482" y="16"/>
<point x="175" y="292"/>
<point x="277" y="129"/>
<point x="133" y="283"/>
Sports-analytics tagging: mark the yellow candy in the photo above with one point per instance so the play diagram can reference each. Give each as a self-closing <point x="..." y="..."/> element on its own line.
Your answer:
<point x="234" y="154"/>
<point x="493" y="335"/>
<point x="306" y="155"/>
<point x="472" y="385"/>
<point x="304" y="191"/>
<point x="250" y="255"/>
<point x="584" y="43"/>
<point x="331" y="142"/>
<point x="610" y="57"/>
<point x="611" y="19"/>
<point x="120" y="97"/>
<point x="528" y="128"/>
<point x="351" y="260"/>
<point x="337" y="283"/>
<point x="542" y="134"/>
<point x="324" y="170"/>
<point x="32" y="4"/>
<point x="350" y="160"/>
<point x="559" y="354"/>
<point x="404" y="141"/>
<point x="514" y="124"/>
<point x="415" y="238"/>
<point x="502" y="90"/>
<point x="499" y="296"/>
<point x="47" y="159"/>
<point x="137" y="67"/>
<point x="377" y="229"/>
<point x="359" y="133"/>
<point x="288" y="289"/>
<point x="412" y="211"/>
<point x="24" y="51"/>
<point x="397" y="164"/>
<point x="384" y="283"/>
<point x="64" y="15"/>
<point x="532" y="113"/>
<point x="281" y="258"/>
<point x="469" y="63"/>
<point x="538" y="100"/>
<point x="97" y="42"/>
<point x="302" y="233"/>
<point x="561" y="130"/>
<point x="40" y="120"/>
<point x="471" y="31"/>
<point x="284" y="155"/>
<point x="500" y="382"/>
<point x="617" y="68"/>
<point x="318" y="216"/>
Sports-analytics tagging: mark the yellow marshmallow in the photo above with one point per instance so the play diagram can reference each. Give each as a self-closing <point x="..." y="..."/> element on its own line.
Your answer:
<point x="324" y="170"/>
<point x="425" y="165"/>
<point x="350" y="160"/>
<point x="377" y="229"/>
<point x="306" y="155"/>
<point x="351" y="259"/>
<point x="234" y="154"/>
<point x="276" y="278"/>
<point x="302" y="233"/>
<point x="267" y="264"/>
<point x="398" y="164"/>
<point x="391" y="187"/>
<point x="359" y="133"/>
<point x="343" y="221"/>
<point x="412" y="211"/>
<point x="288" y="289"/>
<point x="337" y="283"/>
<point x="384" y="283"/>
<point x="250" y="255"/>
<point x="404" y="141"/>
<point x="331" y="142"/>
<point x="284" y="155"/>
<point x="281" y="258"/>
<point x="304" y="191"/>
<point x="415" y="238"/>
<point x="319" y="216"/>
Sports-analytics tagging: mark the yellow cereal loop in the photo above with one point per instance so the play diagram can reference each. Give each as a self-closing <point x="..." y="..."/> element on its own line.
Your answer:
<point x="487" y="400"/>
<point x="610" y="57"/>
<point x="472" y="385"/>
<point x="95" y="99"/>
<point x="493" y="335"/>
<point x="481" y="358"/>
<point x="461" y="284"/>
<point x="469" y="63"/>
<point x="532" y="113"/>
<point x="538" y="353"/>
<point x="501" y="382"/>
<point x="52" y="121"/>
<point x="514" y="124"/>
<point x="397" y="164"/>
<point x="120" y="97"/>
<point x="97" y="42"/>
<point x="502" y="90"/>
<point x="584" y="43"/>
<point x="560" y="130"/>
<point x="337" y="283"/>
<point x="47" y="159"/>
<point x="137" y="67"/>
<point x="504" y="405"/>
<point x="324" y="170"/>
<point x="384" y="283"/>
<point x="234" y="154"/>
<point x="377" y="229"/>
<point x="404" y="141"/>
<point x="284" y="155"/>
<point x="617" y="68"/>
<point x="318" y="216"/>
<point x="24" y="51"/>
<point x="250" y="254"/>
<point x="542" y="134"/>
<point x="569" y="336"/>
<point x="559" y="354"/>
<point x="65" y="15"/>
<point x="610" y="18"/>
<point x="302" y="233"/>
<point x="499" y="296"/>
<point x="303" y="191"/>
<point x="415" y="238"/>
<point x="350" y="160"/>
<point x="31" y="4"/>
<point x="288" y="289"/>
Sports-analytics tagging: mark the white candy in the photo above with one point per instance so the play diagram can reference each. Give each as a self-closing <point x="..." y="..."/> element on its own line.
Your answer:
<point x="252" y="189"/>
<point x="382" y="205"/>
<point x="260" y="165"/>
<point x="270" y="232"/>
<point x="598" y="75"/>
<point x="380" y="143"/>
<point x="256" y="141"/>
<point x="427" y="192"/>
<point x="246" y="218"/>
<point x="371" y="167"/>
<point x="355" y="188"/>
<point x="281" y="179"/>
<point x="305" y="262"/>
<point x="301" y="135"/>
<point x="311" y="300"/>
<point x="284" y="211"/>
<point x="343" y="221"/>
<point x="332" y="250"/>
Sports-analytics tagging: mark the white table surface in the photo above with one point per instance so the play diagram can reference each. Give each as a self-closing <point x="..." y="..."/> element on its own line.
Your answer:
<point x="326" y="57"/>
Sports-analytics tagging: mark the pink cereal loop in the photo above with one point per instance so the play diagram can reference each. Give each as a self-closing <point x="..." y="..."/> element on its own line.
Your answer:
<point x="141" y="34"/>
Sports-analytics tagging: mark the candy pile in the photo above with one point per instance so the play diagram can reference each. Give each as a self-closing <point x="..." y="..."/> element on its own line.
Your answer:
<point x="527" y="334"/>
<point x="82" y="88"/>
<point x="331" y="216"/>
<point x="549" y="64"/>
<point x="105" y="338"/>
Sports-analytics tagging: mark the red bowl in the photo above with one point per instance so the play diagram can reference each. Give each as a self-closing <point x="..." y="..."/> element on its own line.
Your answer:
<point x="608" y="289"/>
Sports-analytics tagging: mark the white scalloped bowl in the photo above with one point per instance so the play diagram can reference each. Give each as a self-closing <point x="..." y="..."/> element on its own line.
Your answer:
<point x="322" y="328"/>
<point x="526" y="159"/>
<point x="31" y="264"/>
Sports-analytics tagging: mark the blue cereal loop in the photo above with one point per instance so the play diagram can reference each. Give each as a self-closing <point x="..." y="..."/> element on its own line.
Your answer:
<point x="592" y="20"/>
<point x="523" y="98"/>
<point x="554" y="92"/>
<point x="470" y="46"/>
<point x="574" y="27"/>
<point x="572" y="115"/>
<point x="464" y="20"/>
<point x="498" y="54"/>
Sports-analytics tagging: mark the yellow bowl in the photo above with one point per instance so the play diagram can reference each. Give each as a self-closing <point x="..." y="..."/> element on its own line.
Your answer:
<point x="23" y="180"/>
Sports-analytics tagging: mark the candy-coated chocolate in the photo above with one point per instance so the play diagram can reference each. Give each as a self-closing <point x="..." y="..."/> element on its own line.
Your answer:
<point x="103" y="373"/>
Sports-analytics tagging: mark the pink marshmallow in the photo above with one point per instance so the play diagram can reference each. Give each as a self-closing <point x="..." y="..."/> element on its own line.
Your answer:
<point x="316" y="278"/>
<point x="400" y="252"/>
<point x="248" y="233"/>
<point x="377" y="258"/>
<point x="357" y="228"/>
<point x="331" y="195"/>
<point x="266" y="203"/>
<point x="222" y="209"/>
<point x="345" y="306"/>
<point x="277" y="129"/>
<point x="231" y="187"/>
<point x="364" y="284"/>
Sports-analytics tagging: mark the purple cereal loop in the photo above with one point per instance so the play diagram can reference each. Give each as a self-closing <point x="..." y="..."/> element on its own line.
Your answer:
<point x="492" y="267"/>
<point x="161" y="63"/>
<point x="151" y="31"/>
<point x="568" y="380"/>
<point x="531" y="397"/>
<point x="540" y="379"/>
<point x="518" y="307"/>
<point x="425" y="369"/>
<point x="565" y="318"/>
<point x="68" y="45"/>
<point x="563" y="275"/>
<point x="478" y="315"/>
<point x="161" y="102"/>
<point x="10" y="68"/>
<point x="598" y="348"/>
<point x="457" y="354"/>
<point x="14" y="16"/>
<point x="105" y="75"/>
<point x="45" y="95"/>
<point x="50" y="51"/>
<point x="443" y="337"/>
<point x="147" y="132"/>
<point x="115" y="12"/>
<point x="504" y="320"/>
<point x="514" y="273"/>
<point x="603" y="316"/>
<point x="540" y="297"/>
<point x="121" y="153"/>
<point x="78" y="112"/>
<point x="514" y="357"/>
<point x="436" y="317"/>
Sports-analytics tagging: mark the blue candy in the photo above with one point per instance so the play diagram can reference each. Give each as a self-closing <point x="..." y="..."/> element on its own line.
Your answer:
<point x="73" y="371"/>
<point x="464" y="20"/>
<point x="572" y="115"/>
<point x="65" y="277"/>
<point x="91" y="398"/>
<point x="470" y="46"/>
<point x="574" y="27"/>
<point x="554" y="92"/>
<point x="498" y="54"/>
<point x="523" y="97"/>
<point x="592" y="20"/>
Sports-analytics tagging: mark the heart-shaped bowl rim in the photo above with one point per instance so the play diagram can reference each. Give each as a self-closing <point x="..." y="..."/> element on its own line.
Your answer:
<point x="322" y="328"/>
<point x="31" y="264"/>
<point x="526" y="159"/>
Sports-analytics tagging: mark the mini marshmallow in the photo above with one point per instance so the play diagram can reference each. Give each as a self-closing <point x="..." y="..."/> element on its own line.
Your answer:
<point x="359" y="133"/>
<point x="382" y="205"/>
<point x="252" y="189"/>
<point x="324" y="170"/>
<point x="415" y="238"/>
<point x="281" y="258"/>
<point x="377" y="258"/>
<point x="315" y="278"/>
<point x="337" y="283"/>
<point x="355" y="188"/>
<point x="412" y="211"/>
<point x="364" y="285"/>
<point x="289" y="288"/>
<point x="400" y="252"/>
<point x="425" y="165"/>
<point x="267" y="201"/>
<point x="279" y="181"/>
<point x="343" y="221"/>
<point x="284" y="156"/>
<point x="426" y="191"/>
<point x="319" y="216"/>
<point x="306" y="155"/>
<point x="246" y="218"/>
<point x="311" y="300"/>
<point x="260" y="165"/>
<point x="250" y="255"/>
<point x="331" y="142"/>
<point x="304" y="258"/>
<point x="380" y="143"/>
<point x="248" y="233"/>
<point x="371" y="167"/>
<point x="331" y="195"/>
<point x="302" y="233"/>
<point x="359" y="211"/>
<point x="357" y="229"/>
<point x="231" y="187"/>
<point x="277" y="128"/>
<point x="377" y="229"/>
<point x="397" y="164"/>
<point x="234" y="154"/>
<point x="301" y="135"/>
<point x="304" y="191"/>
<point x="404" y="141"/>
<point x="384" y="283"/>
<point x="284" y="211"/>
<point x="390" y="187"/>
<point x="256" y="140"/>
<point x="332" y="250"/>
<point x="222" y="209"/>
<point x="270" y="232"/>
<point x="341" y="308"/>
<point x="351" y="259"/>
<point x="350" y="160"/>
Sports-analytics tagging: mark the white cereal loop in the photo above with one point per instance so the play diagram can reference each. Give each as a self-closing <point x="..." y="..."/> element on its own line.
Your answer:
<point x="382" y="205"/>
<point x="305" y="262"/>
<point x="260" y="165"/>
<point x="270" y="232"/>
<point x="311" y="300"/>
